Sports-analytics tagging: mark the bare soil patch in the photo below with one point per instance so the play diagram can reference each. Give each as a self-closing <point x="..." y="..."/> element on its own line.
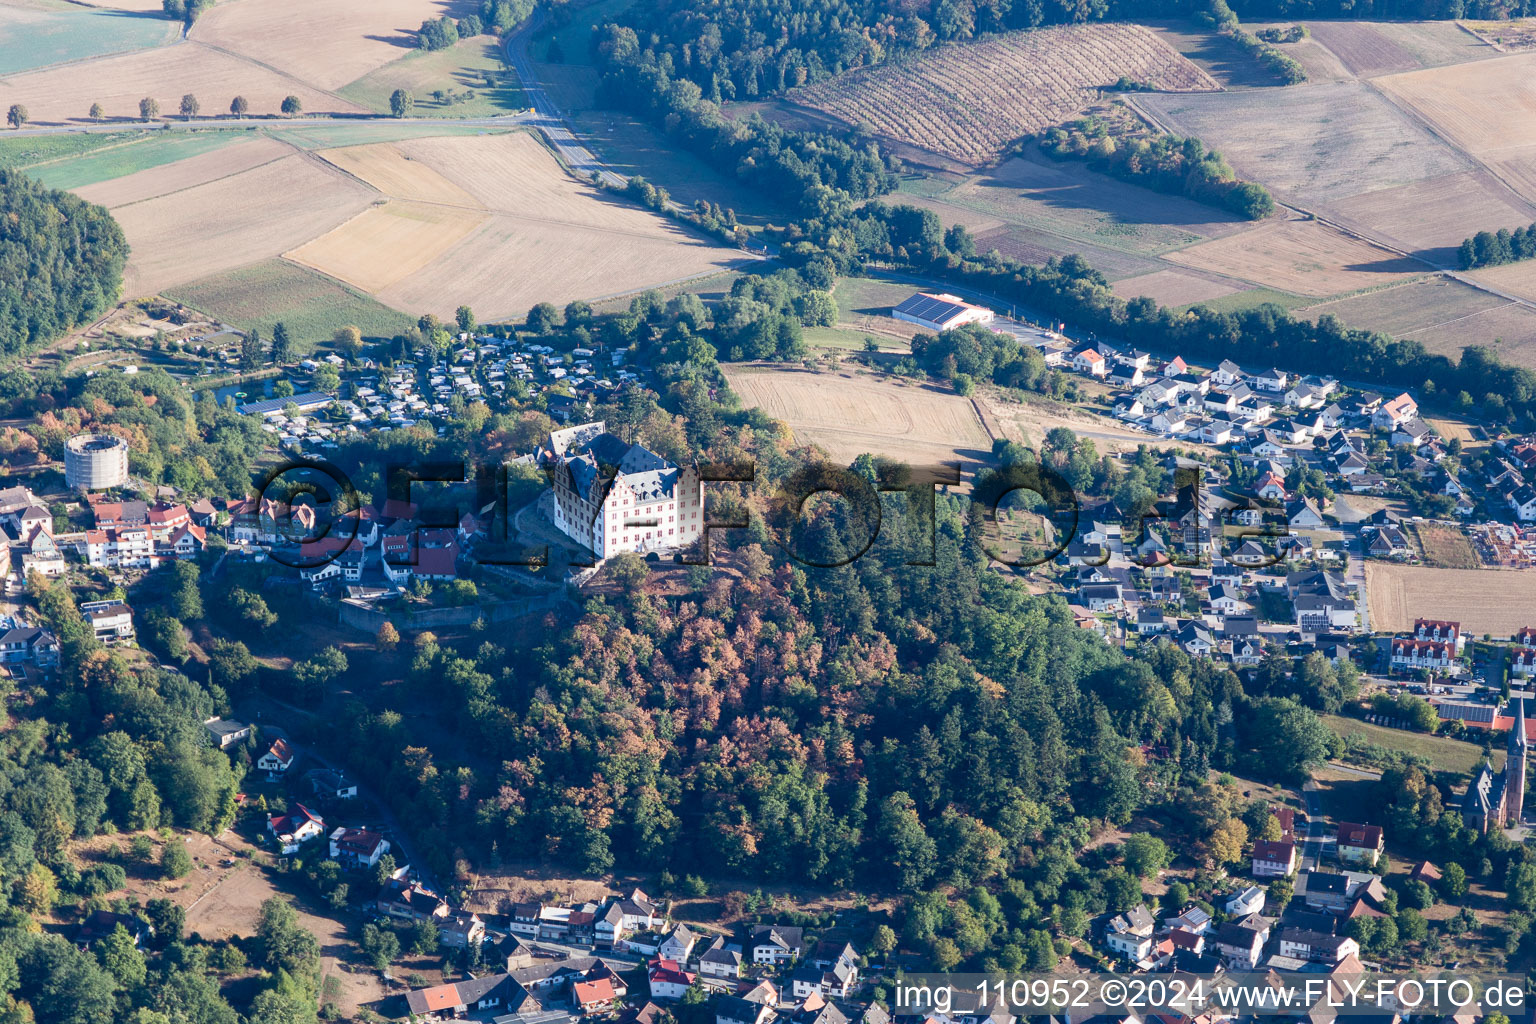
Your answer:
<point x="1301" y="257"/>
<point x="1493" y="601"/>
<point x="1363" y="49"/>
<point x="386" y="167"/>
<point x="969" y="101"/>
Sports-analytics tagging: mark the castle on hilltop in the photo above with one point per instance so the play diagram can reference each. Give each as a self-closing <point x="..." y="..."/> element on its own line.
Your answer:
<point x="613" y="496"/>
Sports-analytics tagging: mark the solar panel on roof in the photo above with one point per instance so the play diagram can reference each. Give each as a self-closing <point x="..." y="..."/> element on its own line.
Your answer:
<point x="930" y="309"/>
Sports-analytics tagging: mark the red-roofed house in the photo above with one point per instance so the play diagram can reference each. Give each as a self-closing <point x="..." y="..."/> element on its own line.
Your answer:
<point x="1439" y="629"/>
<point x="1286" y="816"/>
<point x="277" y="760"/>
<point x="668" y="979"/>
<point x="163" y="520"/>
<point x="1359" y="844"/>
<point x="1395" y="413"/>
<point x="1412" y="655"/>
<point x="295" y="828"/>
<point x="594" y="996"/>
<point x="357" y="847"/>
<point x="1273" y="859"/>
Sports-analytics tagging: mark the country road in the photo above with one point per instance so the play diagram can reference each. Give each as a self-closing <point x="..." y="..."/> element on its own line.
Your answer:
<point x="246" y="123"/>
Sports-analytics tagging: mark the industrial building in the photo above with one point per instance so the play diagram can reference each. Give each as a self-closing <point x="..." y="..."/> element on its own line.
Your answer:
<point x="940" y="312"/>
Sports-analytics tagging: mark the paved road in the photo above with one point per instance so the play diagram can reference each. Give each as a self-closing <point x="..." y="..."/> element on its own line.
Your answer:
<point x="546" y="116"/>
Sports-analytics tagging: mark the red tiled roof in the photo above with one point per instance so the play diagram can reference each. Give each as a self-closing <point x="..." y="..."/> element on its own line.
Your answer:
<point x="1361" y="836"/>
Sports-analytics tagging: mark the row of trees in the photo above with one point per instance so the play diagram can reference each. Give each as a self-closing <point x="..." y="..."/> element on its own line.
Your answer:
<point x="1492" y="248"/>
<point x="149" y="107"/>
<point x="1164" y="163"/>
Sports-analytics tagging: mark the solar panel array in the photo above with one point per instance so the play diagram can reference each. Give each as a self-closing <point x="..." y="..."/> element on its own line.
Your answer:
<point x="935" y="311"/>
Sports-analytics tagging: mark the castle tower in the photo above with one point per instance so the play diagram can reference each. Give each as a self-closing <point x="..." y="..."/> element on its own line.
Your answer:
<point x="1514" y="768"/>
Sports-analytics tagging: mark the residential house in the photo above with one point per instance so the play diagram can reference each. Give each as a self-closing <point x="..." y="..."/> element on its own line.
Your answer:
<point x="1273" y="859"/>
<point x="1388" y="542"/>
<point x="277" y="760"/>
<point x="357" y="848"/>
<point x="720" y="959"/>
<point x="1428" y="655"/>
<point x="1241" y="943"/>
<point x="736" y="1010"/>
<point x="460" y="929"/>
<point x="775" y="943"/>
<point x="20" y="643"/>
<point x="678" y="944"/>
<point x="1304" y="514"/>
<point x="409" y="901"/>
<point x="330" y="784"/>
<point x="1130" y="933"/>
<point x="1395" y="413"/>
<point x="1326" y="890"/>
<point x="1319" y="947"/>
<point x="1442" y="630"/>
<point x="667" y="979"/>
<point x="294" y="829"/>
<point x="1249" y="900"/>
<point x="225" y="733"/>
<point x="111" y="621"/>
<point x="1359" y="844"/>
<point x="1101" y="598"/>
<point x="594" y="997"/>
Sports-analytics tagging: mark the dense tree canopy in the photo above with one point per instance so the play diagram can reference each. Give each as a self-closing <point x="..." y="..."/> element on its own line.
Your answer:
<point x="61" y="261"/>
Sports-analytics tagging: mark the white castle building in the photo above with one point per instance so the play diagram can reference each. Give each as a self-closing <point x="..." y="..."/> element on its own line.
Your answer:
<point x="613" y="496"/>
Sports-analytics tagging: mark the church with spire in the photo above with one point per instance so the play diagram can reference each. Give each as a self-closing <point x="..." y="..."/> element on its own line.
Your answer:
<point x="1497" y="800"/>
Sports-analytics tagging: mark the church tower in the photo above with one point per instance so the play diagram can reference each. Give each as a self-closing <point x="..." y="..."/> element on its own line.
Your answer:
<point x="1514" y="768"/>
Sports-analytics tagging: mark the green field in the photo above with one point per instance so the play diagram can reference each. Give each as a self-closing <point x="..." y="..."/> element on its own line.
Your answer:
<point x="149" y="149"/>
<point x="460" y="69"/>
<point x="311" y="305"/>
<point x="836" y="338"/>
<point x="41" y="34"/>
<point x="865" y="296"/>
<point x="1446" y="754"/>
<point x="29" y="150"/>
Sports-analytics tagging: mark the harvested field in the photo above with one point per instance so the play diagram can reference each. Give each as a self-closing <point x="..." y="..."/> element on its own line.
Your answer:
<point x="396" y="175"/>
<point x="1311" y="144"/>
<point x="1433" y="43"/>
<point x="1509" y="329"/>
<point x="1518" y="279"/>
<point x="465" y="208"/>
<point x="1174" y="287"/>
<point x="233" y="221"/>
<point x="457" y="70"/>
<point x="1488" y="108"/>
<point x="1431" y="217"/>
<point x="1363" y="49"/>
<point x="969" y="101"/>
<point x="387" y="243"/>
<point x="1407" y="309"/>
<point x="1495" y="601"/>
<point x="63" y="94"/>
<point x="37" y="35"/>
<point x="1031" y="246"/>
<point x="236" y="154"/>
<point x="1068" y="199"/>
<point x="848" y="415"/>
<point x="310" y="304"/>
<point x="1444" y="315"/>
<point x="326" y="44"/>
<point x="1215" y="54"/>
<point x="1303" y="257"/>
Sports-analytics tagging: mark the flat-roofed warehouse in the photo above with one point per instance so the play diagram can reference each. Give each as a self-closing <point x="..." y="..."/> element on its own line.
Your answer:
<point x="307" y="402"/>
<point x="941" y="312"/>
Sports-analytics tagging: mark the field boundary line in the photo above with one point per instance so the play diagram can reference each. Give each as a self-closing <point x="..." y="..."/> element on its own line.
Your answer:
<point x="210" y="181"/>
<point x="1457" y="320"/>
